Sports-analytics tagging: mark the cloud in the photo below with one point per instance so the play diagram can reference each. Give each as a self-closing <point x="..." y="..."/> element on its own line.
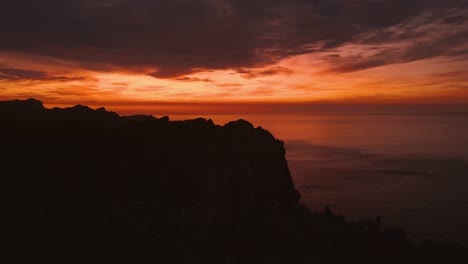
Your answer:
<point x="12" y="74"/>
<point x="174" y="38"/>
<point x="18" y="74"/>
<point x="249" y="74"/>
<point x="193" y="79"/>
<point x="425" y="36"/>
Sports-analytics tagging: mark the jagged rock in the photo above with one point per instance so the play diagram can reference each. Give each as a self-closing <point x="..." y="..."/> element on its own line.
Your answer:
<point x="90" y="186"/>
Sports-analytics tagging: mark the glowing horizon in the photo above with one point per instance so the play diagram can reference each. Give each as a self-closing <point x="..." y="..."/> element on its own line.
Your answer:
<point x="414" y="58"/>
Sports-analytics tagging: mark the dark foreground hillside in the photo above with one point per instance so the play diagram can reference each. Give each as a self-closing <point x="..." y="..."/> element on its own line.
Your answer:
<point x="89" y="186"/>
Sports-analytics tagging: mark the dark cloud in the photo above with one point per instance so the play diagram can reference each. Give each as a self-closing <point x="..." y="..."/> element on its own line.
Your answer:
<point x="172" y="38"/>
<point x="193" y="79"/>
<point x="457" y="19"/>
<point x="11" y="74"/>
<point x="246" y="73"/>
<point x="360" y="65"/>
<point x="18" y="74"/>
<point x="422" y="37"/>
<point x="275" y="70"/>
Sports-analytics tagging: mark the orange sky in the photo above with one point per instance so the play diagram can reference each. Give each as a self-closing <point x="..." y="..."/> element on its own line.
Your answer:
<point x="302" y="78"/>
<point x="297" y="53"/>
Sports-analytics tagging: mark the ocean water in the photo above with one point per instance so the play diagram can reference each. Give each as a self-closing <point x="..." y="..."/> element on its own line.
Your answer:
<point x="412" y="170"/>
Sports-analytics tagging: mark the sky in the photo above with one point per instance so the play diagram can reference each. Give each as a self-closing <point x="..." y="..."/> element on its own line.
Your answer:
<point x="189" y="56"/>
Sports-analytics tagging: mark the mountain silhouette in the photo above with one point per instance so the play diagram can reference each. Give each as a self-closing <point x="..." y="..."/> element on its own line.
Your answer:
<point x="90" y="186"/>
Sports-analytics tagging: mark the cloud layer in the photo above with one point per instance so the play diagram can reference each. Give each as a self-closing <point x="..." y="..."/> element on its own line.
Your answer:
<point x="140" y="52"/>
<point x="172" y="38"/>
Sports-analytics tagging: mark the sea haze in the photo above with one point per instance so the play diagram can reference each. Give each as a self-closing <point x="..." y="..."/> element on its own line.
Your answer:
<point x="412" y="170"/>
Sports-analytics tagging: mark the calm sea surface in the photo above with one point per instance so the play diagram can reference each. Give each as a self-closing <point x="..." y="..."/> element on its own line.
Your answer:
<point x="412" y="170"/>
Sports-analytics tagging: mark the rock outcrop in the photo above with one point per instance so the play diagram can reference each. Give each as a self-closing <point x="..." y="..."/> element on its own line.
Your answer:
<point x="93" y="187"/>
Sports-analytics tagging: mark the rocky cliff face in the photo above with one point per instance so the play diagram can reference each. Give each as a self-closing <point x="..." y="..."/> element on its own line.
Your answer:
<point x="75" y="168"/>
<point x="89" y="186"/>
<point x="146" y="154"/>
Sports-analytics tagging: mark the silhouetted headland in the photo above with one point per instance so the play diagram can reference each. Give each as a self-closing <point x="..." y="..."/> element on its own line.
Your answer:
<point x="90" y="186"/>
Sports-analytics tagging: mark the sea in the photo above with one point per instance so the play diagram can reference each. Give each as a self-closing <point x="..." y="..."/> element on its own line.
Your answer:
<point x="409" y="169"/>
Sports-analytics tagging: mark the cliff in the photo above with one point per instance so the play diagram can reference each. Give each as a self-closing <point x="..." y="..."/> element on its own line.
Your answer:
<point x="91" y="186"/>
